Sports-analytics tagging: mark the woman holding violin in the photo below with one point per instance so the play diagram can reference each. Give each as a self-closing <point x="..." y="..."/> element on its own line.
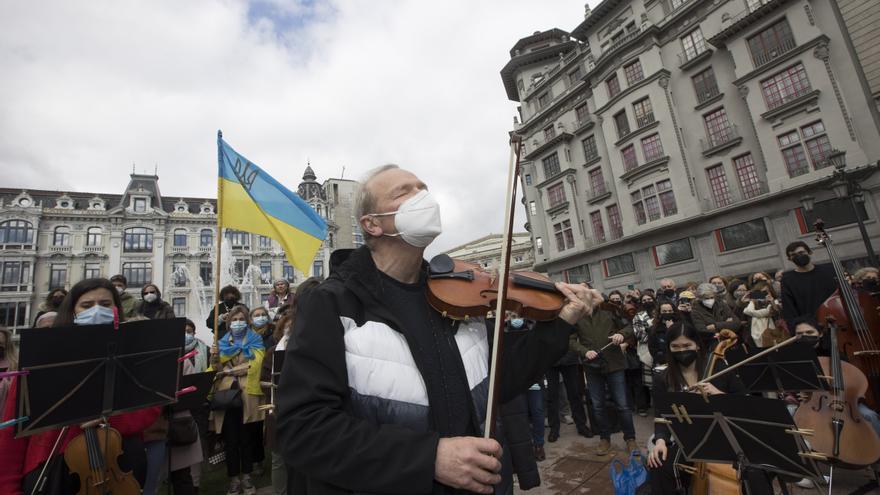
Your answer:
<point x="90" y="302"/>
<point x="686" y="361"/>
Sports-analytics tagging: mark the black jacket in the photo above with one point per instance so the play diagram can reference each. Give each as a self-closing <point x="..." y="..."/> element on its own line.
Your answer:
<point x="323" y="437"/>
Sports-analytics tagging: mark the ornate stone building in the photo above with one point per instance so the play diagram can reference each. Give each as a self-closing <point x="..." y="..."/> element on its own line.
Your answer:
<point x="685" y="138"/>
<point x="487" y="251"/>
<point x="52" y="239"/>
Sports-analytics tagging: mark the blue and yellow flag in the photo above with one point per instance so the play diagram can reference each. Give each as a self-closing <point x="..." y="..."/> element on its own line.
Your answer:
<point x="252" y="201"/>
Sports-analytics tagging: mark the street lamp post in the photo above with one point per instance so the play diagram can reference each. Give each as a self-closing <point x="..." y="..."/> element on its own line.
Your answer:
<point x="845" y="187"/>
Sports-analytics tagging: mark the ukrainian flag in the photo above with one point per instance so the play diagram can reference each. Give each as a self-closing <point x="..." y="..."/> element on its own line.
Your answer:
<point x="252" y="201"/>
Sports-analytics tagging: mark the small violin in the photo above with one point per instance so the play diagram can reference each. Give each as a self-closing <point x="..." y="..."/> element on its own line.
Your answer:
<point x="92" y="455"/>
<point x="460" y="290"/>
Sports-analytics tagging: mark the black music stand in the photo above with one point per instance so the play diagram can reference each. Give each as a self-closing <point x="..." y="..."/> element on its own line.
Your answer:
<point x="277" y="365"/>
<point x="793" y="367"/>
<point x="203" y="382"/>
<point x="753" y="432"/>
<point x="80" y="373"/>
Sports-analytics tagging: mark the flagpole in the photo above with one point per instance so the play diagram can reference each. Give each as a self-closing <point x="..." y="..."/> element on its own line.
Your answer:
<point x="218" y="256"/>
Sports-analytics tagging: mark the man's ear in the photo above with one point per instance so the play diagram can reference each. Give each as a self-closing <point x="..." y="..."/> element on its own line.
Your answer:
<point x="370" y="226"/>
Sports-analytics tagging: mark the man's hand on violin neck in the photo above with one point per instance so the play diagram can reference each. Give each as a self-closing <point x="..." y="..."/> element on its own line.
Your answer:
<point x="581" y="300"/>
<point x="468" y="463"/>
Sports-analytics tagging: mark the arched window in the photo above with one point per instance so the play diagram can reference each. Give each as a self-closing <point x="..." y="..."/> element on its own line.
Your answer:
<point x="61" y="236"/>
<point x="206" y="238"/>
<point x="16" y="232"/>
<point x="138" y="239"/>
<point x="179" y="237"/>
<point x="93" y="236"/>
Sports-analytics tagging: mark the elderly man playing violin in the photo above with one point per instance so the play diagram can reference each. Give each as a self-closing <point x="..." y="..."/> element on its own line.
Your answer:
<point x="379" y="392"/>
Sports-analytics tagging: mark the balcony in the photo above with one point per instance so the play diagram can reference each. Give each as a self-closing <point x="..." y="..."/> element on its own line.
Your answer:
<point x="179" y="249"/>
<point x="584" y="123"/>
<point x="712" y="145"/>
<point x="645" y="120"/>
<point x="733" y="198"/>
<point x="539" y="146"/>
<point x="59" y="249"/>
<point x="93" y="249"/>
<point x="803" y="98"/>
<point x="762" y="58"/>
<point x="597" y="194"/>
<point x="630" y="176"/>
<point x="708" y="97"/>
<point x="686" y="61"/>
<point x="622" y="41"/>
<point x="206" y="249"/>
<point x="744" y="20"/>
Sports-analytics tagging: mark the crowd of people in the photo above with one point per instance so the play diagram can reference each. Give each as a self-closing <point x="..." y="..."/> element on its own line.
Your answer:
<point x="380" y="392"/>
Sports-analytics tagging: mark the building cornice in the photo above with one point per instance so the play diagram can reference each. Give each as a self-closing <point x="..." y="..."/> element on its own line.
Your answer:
<point x="782" y="59"/>
<point x="508" y="72"/>
<point x="745" y="20"/>
<point x="635" y="87"/>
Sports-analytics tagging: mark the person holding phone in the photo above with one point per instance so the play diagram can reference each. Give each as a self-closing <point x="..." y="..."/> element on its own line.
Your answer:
<point x="763" y="311"/>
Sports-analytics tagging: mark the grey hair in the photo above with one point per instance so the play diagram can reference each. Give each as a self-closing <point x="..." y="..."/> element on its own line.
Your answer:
<point x="366" y="201"/>
<point x="706" y="289"/>
<point x="667" y="280"/>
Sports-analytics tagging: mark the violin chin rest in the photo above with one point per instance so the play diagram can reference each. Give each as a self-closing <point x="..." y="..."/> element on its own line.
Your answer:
<point x="440" y="264"/>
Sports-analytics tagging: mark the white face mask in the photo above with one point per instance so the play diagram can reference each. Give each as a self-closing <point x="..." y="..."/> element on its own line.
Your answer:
<point x="709" y="303"/>
<point x="120" y="290"/>
<point x="417" y="220"/>
<point x="150" y="297"/>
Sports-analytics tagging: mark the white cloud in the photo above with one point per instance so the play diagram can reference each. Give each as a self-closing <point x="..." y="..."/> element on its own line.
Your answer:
<point x="91" y="87"/>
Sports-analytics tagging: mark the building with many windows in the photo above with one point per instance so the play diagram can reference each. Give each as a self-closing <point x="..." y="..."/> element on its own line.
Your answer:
<point x="52" y="239"/>
<point x="486" y="251"/>
<point x="685" y="138"/>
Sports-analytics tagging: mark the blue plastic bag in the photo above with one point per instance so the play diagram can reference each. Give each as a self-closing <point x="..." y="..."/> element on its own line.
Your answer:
<point x="628" y="478"/>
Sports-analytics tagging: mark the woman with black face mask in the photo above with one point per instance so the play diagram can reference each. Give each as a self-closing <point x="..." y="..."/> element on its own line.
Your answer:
<point x="686" y="362"/>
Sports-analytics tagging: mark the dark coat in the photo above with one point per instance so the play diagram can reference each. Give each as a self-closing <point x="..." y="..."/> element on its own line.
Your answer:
<point x="518" y="441"/>
<point x="164" y="311"/>
<point x="592" y="334"/>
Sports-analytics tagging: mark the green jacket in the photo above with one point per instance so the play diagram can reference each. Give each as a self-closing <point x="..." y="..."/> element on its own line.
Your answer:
<point x="592" y="334"/>
<point x="129" y="304"/>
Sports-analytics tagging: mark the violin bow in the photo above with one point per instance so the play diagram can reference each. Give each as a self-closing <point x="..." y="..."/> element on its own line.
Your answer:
<point x="503" y="270"/>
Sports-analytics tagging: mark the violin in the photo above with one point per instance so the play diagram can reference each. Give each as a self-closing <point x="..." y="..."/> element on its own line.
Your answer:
<point x="461" y="290"/>
<point x="92" y="456"/>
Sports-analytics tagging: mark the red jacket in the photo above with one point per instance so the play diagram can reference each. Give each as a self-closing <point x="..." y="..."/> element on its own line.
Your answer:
<point x="19" y="456"/>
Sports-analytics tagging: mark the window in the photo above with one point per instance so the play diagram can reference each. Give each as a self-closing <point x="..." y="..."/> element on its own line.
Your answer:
<point x="543" y="100"/>
<point x="578" y="274"/>
<point x="793" y="155"/>
<point x="240" y="267"/>
<point x="551" y="165"/>
<point x="597" y="182"/>
<point x="206" y="272"/>
<point x="564" y="235"/>
<point x="629" y="158"/>
<point x="287" y="272"/>
<point x="318" y="268"/>
<point x="539" y="245"/>
<point x="574" y="76"/>
<point x="590" y="150"/>
<point x="58" y="276"/>
<point x="621" y="124"/>
<point x="549" y="133"/>
<point x="652" y="204"/>
<point x="206" y="238"/>
<point x="598" y="228"/>
<point x="16" y="232"/>
<point x="693" y="44"/>
<point x="667" y="197"/>
<point x="819" y="147"/>
<point x="61" y="236"/>
<point x="528" y="179"/>
<point x="93" y="236"/>
<point x="137" y="239"/>
<point x="755" y="4"/>
<point x="674" y="4"/>
<point x="15" y="275"/>
<point x="638" y="207"/>
<point x="747" y="174"/>
<point x="178" y="304"/>
<point x="264" y="298"/>
<point x="178" y="273"/>
<point x="613" y="86"/>
<point x="785" y="86"/>
<point x="266" y="272"/>
<point x="717" y="127"/>
<point x="179" y="237"/>
<point x="238" y="239"/>
<point x="742" y="235"/>
<point x="264" y="242"/>
<point x="614" y="223"/>
<point x="718" y="185"/>
<point x="673" y="252"/>
<point x="138" y="274"/>
<point x="140" y="205"/>
<point x="633" y="72"/>
<point x="834" y="212"/>
<point x="92" y="270"/>
<point x="582" y="114"/>
<point x="652" y="148"/>
<point x="705" y="85"/>
<point x="13" y="314"/>
<point x="533" y="209"/>
<point x="643" y="112"/>
<point x="771" y="43"/>
<point x="619" y="265"/>
<point x="556" y="194"/>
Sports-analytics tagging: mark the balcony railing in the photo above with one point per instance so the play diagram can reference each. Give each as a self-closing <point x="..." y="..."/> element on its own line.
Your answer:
<point x="763" y="57"/>
<point x="684" y="58"/>
<point x="206" y="249"/>
<point x="178" y="249"/>
<point x="93" y="249"/>
<point x="645" y="120"/>
<point x="733" y="197"/>
<point x="708" y="94"/>
<point x="622" y="41"/>
<point x="598" y="191"/>
<point x="722" y="138"/>
<point x="59" y="249"/>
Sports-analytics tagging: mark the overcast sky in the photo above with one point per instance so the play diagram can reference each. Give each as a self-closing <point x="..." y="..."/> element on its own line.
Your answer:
<point x="88" y="88"/>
